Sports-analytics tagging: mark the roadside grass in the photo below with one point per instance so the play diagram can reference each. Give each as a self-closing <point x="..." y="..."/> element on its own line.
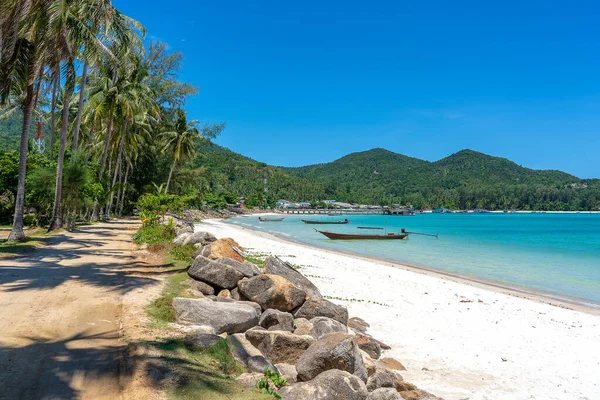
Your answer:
<point x="201" y="374"/>
<point x="192" y="374"/>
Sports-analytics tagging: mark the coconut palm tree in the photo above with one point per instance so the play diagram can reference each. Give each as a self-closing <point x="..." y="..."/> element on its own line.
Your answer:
<point x="181" y="141"/>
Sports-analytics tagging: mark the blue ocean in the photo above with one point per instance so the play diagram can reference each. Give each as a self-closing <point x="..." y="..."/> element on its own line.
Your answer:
<point x="558" y="254"/>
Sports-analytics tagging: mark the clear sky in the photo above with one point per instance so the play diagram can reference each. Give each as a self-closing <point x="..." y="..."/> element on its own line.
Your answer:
<point x="302" y="82"/>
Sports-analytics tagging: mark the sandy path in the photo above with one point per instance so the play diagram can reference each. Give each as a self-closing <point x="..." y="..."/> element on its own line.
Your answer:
<point x="61" y="315"/>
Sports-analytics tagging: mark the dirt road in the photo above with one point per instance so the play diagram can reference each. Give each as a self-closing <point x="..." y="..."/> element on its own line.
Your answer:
<point x="61" y="310"/>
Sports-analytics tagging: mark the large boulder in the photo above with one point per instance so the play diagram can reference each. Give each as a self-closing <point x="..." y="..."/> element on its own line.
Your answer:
<point x="200" y="237"/>
<point x="279" y="346"/>
<point x="380" y="379"/>
<point x="384" y="394"/>
<point x="369" y="345"/>
<point x="223" y="317"/>
<point x="201" y="341"/>
<point x="275" y="320"/>
<point x="202" y="287"/>
<point x="329" y="385"/>
<point x="217" y="274"/>
<point x="259" y="364"/>
<point x="277" y="266"/>
<point x="249" y="379"/>
<point x="358" y="324"/>
<point x="247" y="269"/>
<point x="391" y="363"/>
<point x="184" y="229"/>
<point x="333" y="351"/>
<point x="288" y="372"/>
<point x="272" y="291"/>
<point x="241" y="348"/>
<point x="181" y="238"/>
<point x="223" y="248"/>
<point x="302" y="326"/>
<point x="322" y="326"/>
<point x="322" y="308"/>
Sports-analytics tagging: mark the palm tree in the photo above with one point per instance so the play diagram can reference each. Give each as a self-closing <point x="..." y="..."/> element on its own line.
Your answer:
<point x="181" y="141"/>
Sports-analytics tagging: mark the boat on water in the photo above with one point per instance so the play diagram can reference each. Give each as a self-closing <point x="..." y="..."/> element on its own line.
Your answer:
<point x="350" y="236"/>
<point x="270" y="219"/>
<point x="312" y="221"/>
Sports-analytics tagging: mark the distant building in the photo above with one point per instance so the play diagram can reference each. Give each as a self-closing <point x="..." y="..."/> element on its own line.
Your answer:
<point x="285" y="204"/>
<point x="328" y="201"/>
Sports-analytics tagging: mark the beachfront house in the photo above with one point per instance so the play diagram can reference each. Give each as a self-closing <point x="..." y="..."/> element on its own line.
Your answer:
<point x="285" y="204"/>
<point x="329" y="202"/>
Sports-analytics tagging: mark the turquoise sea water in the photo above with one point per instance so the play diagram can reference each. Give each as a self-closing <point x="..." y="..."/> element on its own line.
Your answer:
<point x="555" y="253"/>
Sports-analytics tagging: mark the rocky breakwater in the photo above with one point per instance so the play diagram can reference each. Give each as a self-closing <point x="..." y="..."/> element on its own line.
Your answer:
<point x="275" y="318"/>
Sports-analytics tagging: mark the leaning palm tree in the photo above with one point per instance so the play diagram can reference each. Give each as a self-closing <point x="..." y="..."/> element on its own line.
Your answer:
<point x="181" y="141"/>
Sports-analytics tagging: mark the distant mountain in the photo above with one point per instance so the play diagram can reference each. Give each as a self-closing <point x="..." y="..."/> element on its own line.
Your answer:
<point x="467" y="179"/>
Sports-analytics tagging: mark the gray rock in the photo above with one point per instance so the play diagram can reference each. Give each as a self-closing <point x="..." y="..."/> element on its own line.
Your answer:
<point x="247" y="269"/>
<point x="272" y="291"/>
<point x="358" y="324"/>
<point x="380" y="379"/>
<point x="287" y="371"/>
<point x="275" y="320"/>
<point x="329" y="385"/>
<point x="241" y="348"/>
<point x="384" y="394"/>
<point x="221" y="299"/>
<point x="369" y="346"/>
<point x="202" y="287"/>
<point x="256" y="306"/>
<point x="185" y="229"/>
<point x="223" y="317"/>
<point x="302" y="326"/>
<point x="206" y="251"/>
<point x="217" y="274"/>
<point x="259" y="363"/>
<point x="279" y="346"/>
<point x="249" y="379"/>
<point x="323" y="326"/>
<point x="200" y="237"/>
<point x="181" y="238"/>
<point x="225" y="293"/>
<point x="198" y="252"/>
<point x="277" y="266"/>
<point x="322" y="308"/>
<point x="201" y="341"/>
<point x="333" y="351"/>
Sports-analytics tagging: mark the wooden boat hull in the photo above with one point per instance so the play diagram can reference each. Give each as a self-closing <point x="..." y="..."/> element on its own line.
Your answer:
<point x="307" y="221"/>
<point x="347" y="236"/>
<point x="263" y="219"/>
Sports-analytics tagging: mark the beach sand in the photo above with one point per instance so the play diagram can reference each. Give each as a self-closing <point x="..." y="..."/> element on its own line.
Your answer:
<point x="457" y="339"/>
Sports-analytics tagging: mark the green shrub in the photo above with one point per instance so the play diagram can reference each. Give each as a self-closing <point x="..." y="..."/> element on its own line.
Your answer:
<point x="264" y="384"/>
<point x="184" y="253"/>
<point x="155" y="233"/>
<point x="30" y="220"/>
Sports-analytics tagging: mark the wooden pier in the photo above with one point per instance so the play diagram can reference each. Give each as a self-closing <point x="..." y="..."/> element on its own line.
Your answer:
<point x="346" y="211"/>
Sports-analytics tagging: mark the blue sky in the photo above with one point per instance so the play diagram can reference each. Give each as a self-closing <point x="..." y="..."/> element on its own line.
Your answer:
<point x="308" y="82"/>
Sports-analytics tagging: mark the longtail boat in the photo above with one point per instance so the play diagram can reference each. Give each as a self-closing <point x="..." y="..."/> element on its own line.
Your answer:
<point x="270" y="219"/>
<point x="308" y="221"/>
<point x="350" y="236"/>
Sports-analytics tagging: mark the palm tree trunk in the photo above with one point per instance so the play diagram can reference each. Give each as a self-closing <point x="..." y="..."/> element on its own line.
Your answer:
<point x="56" y="221"/>
<point x="170" y="175"/>
<point x="117" y="168"/>
<point x="119" y="185"/>
<point x="53" y="114"/>
<point x="106" y="144"/>
<point x="17" y="232"/>
<point x="124" y="190"/>
<point x="80" y="107"/>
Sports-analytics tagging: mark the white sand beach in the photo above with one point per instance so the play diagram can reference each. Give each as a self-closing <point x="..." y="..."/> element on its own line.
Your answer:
<point x="457" y="339"/>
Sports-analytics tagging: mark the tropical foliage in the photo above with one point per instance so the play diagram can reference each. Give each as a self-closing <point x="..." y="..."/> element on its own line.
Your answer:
<point x="78" y="70"/>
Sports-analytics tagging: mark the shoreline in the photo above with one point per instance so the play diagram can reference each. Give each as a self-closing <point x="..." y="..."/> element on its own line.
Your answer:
<point x="555" y="300"/>
<point x="457" y="338"/>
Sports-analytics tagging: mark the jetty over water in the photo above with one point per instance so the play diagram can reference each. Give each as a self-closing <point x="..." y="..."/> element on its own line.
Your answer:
<point x="346" y="211"/>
